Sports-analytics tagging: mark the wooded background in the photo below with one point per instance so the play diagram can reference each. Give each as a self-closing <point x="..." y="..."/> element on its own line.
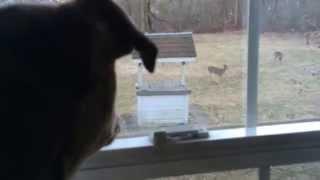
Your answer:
<point x="203" y="16"/>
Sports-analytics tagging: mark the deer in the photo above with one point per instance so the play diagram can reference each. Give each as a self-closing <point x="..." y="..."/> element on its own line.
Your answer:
<point x="307" y="37"/>
<point x="59" y="84"/>
<point x="312" y="37"/>
<point x="311" y="30"/>
<point x="217" y="71"/>
<point x="278" y="56"/>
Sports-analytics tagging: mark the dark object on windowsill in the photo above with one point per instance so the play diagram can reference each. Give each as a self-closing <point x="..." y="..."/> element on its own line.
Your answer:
<point x="162" y="137"/>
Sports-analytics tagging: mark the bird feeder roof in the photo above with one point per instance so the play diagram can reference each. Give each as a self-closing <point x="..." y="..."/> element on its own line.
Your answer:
<point x="172" y="45"/>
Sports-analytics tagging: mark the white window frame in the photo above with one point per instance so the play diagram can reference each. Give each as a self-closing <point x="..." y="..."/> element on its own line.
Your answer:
<point x="227" y="149"/>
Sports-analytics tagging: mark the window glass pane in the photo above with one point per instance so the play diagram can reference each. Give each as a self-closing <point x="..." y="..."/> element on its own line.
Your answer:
<point x="248" y="174"/>
<point x="289" y="79"/>
<point x="309" y="171"/>
<point x="215" y="78"/>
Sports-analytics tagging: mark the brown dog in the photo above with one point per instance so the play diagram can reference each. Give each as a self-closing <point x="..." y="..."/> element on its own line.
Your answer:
<point x="58" y="84"/>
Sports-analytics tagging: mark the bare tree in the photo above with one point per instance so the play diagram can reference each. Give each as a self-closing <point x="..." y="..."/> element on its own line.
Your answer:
<point x="145" y="6"/>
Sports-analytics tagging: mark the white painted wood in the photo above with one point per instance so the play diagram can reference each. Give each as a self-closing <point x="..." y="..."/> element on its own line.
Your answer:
<point x="186" y="112"/>
<point x="163" y="34"/>
<point x="183" y="73"/>
<point x="224" y="134"/>
<point x="140" y="75"/>
<point x="226" y="149"/>
<point x="156" y="110"/>
<point x="165" y="108"/>
<point x="171" y="60"/>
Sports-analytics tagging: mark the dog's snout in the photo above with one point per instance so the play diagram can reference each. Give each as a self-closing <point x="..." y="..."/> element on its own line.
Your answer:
<point x="148" y="52"/>
<point x="112" y="130"/>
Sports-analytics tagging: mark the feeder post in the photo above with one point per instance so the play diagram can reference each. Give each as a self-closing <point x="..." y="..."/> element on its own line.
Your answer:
<point x="183" y="73"/>
<point x="140" y="75"/>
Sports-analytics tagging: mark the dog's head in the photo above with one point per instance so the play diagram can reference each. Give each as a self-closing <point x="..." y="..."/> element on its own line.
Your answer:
<point x="116" y="36"/>
<point x="81" y="41"/>
<point x="113" y="37"/>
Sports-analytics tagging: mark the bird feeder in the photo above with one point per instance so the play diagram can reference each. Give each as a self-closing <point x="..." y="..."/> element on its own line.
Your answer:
<point x="165" y="101"/>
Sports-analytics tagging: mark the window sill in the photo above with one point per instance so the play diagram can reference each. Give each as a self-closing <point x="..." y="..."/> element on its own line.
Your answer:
<point x="226" y="149"/>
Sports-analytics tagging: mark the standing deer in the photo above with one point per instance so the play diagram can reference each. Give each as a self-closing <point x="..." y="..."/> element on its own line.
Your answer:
<point x="278" y="56"/>
<point x="312" y="37"/>
<point x="307" y="37"/>
<point x="310" y="28"/>
<point x="58" y="84"/>
<point x="217" y="71"/>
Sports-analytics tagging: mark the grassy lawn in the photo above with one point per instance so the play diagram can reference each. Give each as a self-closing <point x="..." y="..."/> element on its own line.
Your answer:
<point x="287" y="90"/>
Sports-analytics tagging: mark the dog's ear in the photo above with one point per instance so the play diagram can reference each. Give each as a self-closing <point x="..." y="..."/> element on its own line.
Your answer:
<point x="147" y="50"/>
<point x="128" y="33"/>
<point x="123" y="34"/>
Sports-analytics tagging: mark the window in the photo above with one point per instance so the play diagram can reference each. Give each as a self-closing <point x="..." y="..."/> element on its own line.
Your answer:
<point x="289" y="77"/>
<point x="261" y="112"/>
<point x="214" y="77"/>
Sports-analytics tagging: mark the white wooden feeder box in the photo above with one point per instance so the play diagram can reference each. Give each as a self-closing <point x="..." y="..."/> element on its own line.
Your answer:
<point x="165" y="102"/>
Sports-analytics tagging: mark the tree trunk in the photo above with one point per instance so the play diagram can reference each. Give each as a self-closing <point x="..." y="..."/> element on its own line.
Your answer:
<point x="146" y="15"/>
<point x="141" y="15"/>
<point x="236" y="13"/>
